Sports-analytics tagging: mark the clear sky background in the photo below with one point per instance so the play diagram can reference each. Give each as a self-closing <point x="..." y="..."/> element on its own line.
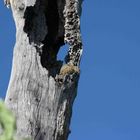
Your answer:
<point x="108" y="103"/>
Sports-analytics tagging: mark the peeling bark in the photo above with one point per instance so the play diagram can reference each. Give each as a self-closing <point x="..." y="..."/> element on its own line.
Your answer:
<point x="40" y="98"/>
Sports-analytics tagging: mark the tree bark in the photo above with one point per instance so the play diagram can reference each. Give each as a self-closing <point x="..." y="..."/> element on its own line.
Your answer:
<point x="38" y="95"/>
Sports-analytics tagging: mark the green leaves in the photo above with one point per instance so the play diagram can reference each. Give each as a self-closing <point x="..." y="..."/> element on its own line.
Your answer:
<point x="7" y="122"/>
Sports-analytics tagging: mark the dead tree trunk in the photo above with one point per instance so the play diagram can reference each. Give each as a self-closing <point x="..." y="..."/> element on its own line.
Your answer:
<point x="41" y="91"/>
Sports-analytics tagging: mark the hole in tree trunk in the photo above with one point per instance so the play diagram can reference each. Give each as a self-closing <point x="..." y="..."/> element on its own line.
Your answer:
<point x="52" y="11"/>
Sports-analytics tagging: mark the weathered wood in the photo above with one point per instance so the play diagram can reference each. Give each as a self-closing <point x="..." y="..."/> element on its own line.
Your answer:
<point x="40" y="99"/>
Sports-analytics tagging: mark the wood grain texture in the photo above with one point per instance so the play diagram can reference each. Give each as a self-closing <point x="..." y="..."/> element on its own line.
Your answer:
<point x="40" y="99"/>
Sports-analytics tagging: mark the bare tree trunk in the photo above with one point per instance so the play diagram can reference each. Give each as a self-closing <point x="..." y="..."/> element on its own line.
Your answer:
<point x="41" y="91"/>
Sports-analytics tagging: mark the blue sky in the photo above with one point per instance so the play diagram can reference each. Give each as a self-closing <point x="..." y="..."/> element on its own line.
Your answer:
<point x="108" y="103"/>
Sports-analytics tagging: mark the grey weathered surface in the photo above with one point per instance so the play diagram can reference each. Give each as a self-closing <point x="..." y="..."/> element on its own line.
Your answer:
<point x="40" y="99"/>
